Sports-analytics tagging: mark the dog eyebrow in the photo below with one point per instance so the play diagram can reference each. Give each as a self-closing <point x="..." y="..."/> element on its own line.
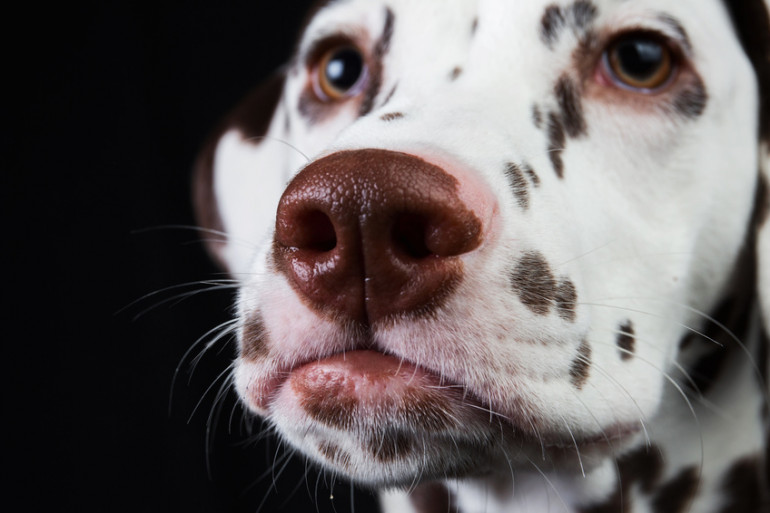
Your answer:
<point x="676" y="30"/>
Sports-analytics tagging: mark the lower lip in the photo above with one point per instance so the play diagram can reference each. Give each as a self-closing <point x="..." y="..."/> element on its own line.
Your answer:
<point x="364" y="376"/>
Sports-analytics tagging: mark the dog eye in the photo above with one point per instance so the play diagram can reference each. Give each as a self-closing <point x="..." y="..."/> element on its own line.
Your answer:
<point x="340" y="73"/>
<point x="640" y="62"/>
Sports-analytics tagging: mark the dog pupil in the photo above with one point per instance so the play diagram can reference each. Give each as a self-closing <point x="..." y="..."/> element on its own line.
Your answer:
<point x="640" y="58"/>
<point x="344" y="69"/>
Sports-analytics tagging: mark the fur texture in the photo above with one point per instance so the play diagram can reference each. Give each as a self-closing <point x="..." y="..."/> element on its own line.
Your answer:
<point x="577" y="325"/>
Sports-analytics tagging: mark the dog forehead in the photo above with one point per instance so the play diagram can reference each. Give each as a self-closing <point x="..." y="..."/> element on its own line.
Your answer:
<point x="523" y="47"/>
<point x="431" y="24"/>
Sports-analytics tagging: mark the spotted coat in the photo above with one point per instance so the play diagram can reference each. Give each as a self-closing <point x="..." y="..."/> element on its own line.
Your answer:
<point x="486" y="264"/>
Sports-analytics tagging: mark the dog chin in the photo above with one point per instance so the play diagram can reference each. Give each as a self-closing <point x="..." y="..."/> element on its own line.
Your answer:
<point x="384" y="422"/>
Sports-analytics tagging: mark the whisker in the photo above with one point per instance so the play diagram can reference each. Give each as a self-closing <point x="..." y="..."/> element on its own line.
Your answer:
<point x="208" y="389"/>
<point x="225" y="326"/>
<point x="207" y="283"/>
<point x="279" y="140"/>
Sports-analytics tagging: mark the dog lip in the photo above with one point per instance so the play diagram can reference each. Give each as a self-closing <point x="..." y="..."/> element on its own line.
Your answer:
<point x="367" y="376"/>
<point x="374" y="372"/>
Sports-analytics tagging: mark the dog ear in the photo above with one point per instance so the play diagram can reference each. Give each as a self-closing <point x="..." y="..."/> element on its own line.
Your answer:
<point x="763" y="233"/>
<point x="236" y="174"/>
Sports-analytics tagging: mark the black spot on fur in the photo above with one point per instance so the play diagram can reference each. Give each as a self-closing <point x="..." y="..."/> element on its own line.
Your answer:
<point x="390" y="116"/>
<point x="566" y="300"/>
<point x="744" y="488"/>
<point x="675" y="495"/>
<point x="518" y="184"/>
<point x="570" y="104"/>
<point x="556" y="142"/>
<point x="581" y="366"/>
<point x="533" y="280"/>
<point x="626" y="340"/>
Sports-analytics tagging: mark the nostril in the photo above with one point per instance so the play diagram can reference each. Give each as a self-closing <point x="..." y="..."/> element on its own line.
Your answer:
<point x="408" y="235"/>
<point x="316" y="232"/>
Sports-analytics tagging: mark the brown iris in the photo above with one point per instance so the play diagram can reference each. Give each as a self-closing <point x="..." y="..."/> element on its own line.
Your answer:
<point x="639" y="62"/>
<point x="340" y="73"/>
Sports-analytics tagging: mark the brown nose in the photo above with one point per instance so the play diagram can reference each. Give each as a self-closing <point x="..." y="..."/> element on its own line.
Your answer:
<point x="371" y="233"/>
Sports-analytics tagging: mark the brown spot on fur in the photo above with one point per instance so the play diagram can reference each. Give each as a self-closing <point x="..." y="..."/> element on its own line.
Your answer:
<point x="579" y="17"/>
<point x="643" y="466"/>
<point x="390" y="445"/>
<point x="391" y="116"/>
<point x="429" y="411"/>
<point x="675" y="495"/>
<point x="432" y="497"/>
<point x="744" y="488"/>
<point x="691" y="101"/>
<point x="566" y="300"/>
<point x="531" y="173"/>
<point x="731" y="322"/>
<point x="550" y="24"/>
<point x="474" y="26"/>
<point x="456" y="72"/>
<point x="375" y="73"/>
<point x="626" y="341"/>
<point x="583" y="15"/>
<point x="333" y="405"/>
<point x="390" y="96"/>
<point x="556" y="142"/>
<point x="535" y="283"/>
<point x="570" y="104"/>
<point x="518" y="184"/>
<point x="581" y="366"/>
<point x="335" y="454"/>
<point x="253" y="340"/>
<point x="537" y="117"/>
<point x="329" y="406"/>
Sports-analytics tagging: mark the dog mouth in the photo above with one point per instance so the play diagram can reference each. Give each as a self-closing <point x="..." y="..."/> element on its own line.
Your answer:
<point x="361" y="386"/>
<point x="365" y="390"/>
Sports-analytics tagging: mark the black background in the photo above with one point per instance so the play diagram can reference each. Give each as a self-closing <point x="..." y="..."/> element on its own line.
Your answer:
<point x="108" y="104"/>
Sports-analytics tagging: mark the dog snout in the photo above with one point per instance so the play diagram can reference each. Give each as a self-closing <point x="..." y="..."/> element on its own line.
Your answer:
<point x="369" y="234"/>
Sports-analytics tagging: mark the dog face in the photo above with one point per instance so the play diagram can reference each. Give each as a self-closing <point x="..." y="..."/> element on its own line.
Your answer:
<point x="474" y="233"/>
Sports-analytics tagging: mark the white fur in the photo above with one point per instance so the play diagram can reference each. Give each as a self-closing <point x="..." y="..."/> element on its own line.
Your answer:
<point x="647" y="223"/>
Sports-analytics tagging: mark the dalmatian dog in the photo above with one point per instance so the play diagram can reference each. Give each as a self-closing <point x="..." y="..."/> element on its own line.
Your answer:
<point x="500" y="256"/>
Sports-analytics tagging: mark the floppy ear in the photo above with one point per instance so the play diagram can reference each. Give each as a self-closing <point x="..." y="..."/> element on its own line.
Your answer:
<point x="237" y="177"/>
<point x="763" y="234"/>
<point x="752" y="26"/>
